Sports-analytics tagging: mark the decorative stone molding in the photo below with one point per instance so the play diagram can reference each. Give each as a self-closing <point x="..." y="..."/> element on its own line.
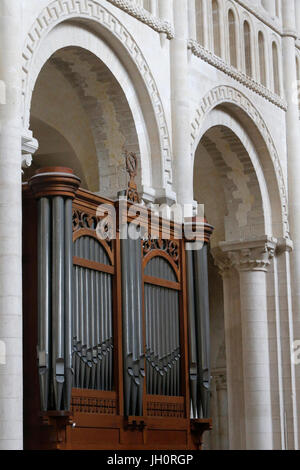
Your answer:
<point x="289" y="34"/>
<point x="161" y="26"/>
<point x="228" y="94"/>
<point x="253" y="255"/>
<point x="29" y="147"/>
<point x="220" y="64"/>
<point x="59" y="11"/>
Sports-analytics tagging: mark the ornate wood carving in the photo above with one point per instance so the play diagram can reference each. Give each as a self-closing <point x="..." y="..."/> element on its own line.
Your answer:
<point x="171" y="407"/>
<point x="89" y="401"/>
<point x="131" y="168"/>
<point x="84" y="220"/>
<point x="170" y="247"/>
<point x="101" y="228"/>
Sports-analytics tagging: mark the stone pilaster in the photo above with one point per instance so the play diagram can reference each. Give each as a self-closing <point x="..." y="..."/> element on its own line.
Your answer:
<point x="233" y="345"/>
<point x="293" y="166"/>
<point x="251" y="260"/>
<point x="11" y="390"/>
<point x="220" y="379"/>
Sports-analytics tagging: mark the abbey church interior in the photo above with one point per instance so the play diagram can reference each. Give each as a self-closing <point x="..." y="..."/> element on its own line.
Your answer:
<point x="118" y="328"/>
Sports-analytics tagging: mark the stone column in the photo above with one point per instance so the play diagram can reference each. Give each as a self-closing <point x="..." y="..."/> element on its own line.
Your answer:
<point x="252" y="259"/>
<point x="183" y="170"/>
<point x="297" y="11"/>
<point x="153" y="7"/>
<point x="270" y="6"/>
<point x="165" y="9"/>
<point x="293" y="164"/>
<point x="192" y="20"/>
<point x="234" y="351"/>
<point x="11" y="390"/>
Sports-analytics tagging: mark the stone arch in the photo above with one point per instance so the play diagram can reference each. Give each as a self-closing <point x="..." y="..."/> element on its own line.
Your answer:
<point x="52" y="144"/>
<point x="236" y="186"/>
<point x="237" y="105"/>
<point x="109" y="30"/>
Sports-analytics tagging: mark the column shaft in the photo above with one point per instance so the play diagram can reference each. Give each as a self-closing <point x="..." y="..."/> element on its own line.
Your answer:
<point x="234" y="366"/>
<point x="192" y="20"/>
<point x="256" y="361"/>
<point x="11" y="390"/>
<point x="180" y="104"/>
<point x="165" y="9"/>
<point x="297" y="16"/>
<point x="270" y="6"/>
<point x="293" y="163"/>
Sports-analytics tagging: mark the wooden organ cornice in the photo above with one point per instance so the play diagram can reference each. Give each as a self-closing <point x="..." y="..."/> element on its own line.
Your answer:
<point x="80" y="396"/>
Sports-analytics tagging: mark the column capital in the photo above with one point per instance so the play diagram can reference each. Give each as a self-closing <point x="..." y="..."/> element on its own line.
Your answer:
<point x="223" y="261"/>
<point x="252" y="255"/>
<point x="284" y="245"/>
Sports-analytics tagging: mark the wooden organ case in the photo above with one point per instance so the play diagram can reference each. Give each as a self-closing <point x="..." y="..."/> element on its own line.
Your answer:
<point x="116" y="327"/>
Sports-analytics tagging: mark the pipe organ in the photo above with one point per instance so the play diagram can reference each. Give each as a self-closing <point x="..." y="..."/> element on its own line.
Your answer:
<point x="116" y="328"/>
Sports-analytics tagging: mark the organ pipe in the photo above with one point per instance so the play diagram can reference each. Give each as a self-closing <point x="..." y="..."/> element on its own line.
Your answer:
<point x="199" y="343"/>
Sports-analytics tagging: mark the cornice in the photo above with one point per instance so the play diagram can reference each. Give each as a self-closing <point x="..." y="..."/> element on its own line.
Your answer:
<point x="212" y="59"/>
<point x="161" y="26"/>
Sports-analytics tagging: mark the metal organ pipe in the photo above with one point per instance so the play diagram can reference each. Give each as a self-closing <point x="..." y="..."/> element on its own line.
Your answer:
<point x="133" y="348"/>
<point x="162" y="331"/>
<point x="68" y="259"/>
<point x="58" y="312"/>
<point x="193" y="365"/>
<point x="44" y="301"/>
<point x="198" y="306"/>
<point x="54" y="189"/>
<point x="202" y="308"/>
<point x="95" y="354"/>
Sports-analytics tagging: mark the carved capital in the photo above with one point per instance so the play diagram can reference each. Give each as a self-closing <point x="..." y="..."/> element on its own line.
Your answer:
<point x="253" y="255"/>
<point x="223" y="262"/>
<point x="284" y="245"/>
